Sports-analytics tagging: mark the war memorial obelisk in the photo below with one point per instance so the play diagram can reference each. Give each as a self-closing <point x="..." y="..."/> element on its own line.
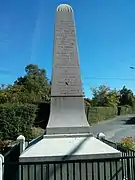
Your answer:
<point x="67" y="102"/>
<point x="67" y="136"/>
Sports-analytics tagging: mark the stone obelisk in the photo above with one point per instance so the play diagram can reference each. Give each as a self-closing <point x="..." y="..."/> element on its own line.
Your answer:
<point x="67" y="135"/>
<point x="67" y="103"/>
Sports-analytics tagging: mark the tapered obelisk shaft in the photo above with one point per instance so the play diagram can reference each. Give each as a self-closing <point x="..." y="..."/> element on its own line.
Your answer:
<point x="67" y="103"/>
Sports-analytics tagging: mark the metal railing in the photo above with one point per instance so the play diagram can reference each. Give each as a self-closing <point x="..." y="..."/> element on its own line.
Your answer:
<point x="121" y="168"/>
<point x="34" y="141"/>
<point x="124" y="150"/>
<point x="10" y="172"/>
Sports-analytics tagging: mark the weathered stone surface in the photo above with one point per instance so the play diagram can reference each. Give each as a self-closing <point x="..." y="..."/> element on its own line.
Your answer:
<point x="67" y="103"/>
<point x="66" y="80"/>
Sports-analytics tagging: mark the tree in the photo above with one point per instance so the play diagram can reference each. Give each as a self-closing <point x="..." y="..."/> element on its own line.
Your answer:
<point x="104" y="96"/>
<point x="126" y="97"/>
<point x="35" y="84"/>
<point x="12" y="94"/>
<point x="3" y="96"/>
<point x="33" y="87"/>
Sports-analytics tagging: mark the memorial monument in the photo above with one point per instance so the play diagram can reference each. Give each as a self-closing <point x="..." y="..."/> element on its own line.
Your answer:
<point x="67" y="134"/>
<point x="67" y="103"/>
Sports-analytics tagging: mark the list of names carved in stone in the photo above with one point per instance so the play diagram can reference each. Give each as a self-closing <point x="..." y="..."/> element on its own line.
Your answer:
<point x="66" y="77"/>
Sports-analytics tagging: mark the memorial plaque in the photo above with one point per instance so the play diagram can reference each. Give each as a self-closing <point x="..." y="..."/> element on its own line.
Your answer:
<point x="66" y="80"/>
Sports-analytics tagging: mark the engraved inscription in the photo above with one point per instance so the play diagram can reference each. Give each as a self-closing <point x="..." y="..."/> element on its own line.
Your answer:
<point x="66" y="73"/>
<point x="65" y="38"/>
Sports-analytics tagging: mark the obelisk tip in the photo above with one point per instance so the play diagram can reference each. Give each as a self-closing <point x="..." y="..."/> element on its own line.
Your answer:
<point x="65" y="8"/>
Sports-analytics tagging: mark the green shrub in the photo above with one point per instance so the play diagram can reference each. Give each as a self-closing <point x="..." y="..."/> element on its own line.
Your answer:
<point x="16" y="119"/>
<point x="97" y="114"/>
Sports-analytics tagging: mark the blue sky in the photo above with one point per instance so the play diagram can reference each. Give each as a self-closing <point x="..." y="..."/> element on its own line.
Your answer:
<point x="105" y="34"/>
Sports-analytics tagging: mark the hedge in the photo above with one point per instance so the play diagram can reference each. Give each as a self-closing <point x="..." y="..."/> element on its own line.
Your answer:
<point x="97" y="114"/>
<point x="123" y="110"/>
<point x="16" y="119"/>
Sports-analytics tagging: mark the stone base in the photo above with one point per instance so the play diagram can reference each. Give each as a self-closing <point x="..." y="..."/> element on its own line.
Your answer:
<point x="58" y="152"/>
<point x="73" y="146"/>
<point x="70" y="130"/>
<point x="67" y="116"/>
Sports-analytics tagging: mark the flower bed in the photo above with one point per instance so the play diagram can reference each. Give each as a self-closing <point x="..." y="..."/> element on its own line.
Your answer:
<point x="128" y="142"/>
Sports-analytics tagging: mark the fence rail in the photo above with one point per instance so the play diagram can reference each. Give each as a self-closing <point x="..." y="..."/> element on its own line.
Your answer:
<point x="125" y="151"/>
<point x="95" y="169"/>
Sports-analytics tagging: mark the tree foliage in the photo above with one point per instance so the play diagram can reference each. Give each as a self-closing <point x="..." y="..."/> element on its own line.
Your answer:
<point x="126" y="97"/>
<point x="32" y="87"/>
<point x="104" y="96"/>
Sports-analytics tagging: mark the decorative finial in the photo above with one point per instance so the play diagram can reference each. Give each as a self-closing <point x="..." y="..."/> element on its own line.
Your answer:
<point x="65" y="8"/>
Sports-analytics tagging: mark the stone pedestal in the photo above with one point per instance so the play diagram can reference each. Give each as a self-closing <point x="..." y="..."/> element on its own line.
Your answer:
<point x="67" y="116"/>
<point x="68" y="150"/>
<point x="61" y="157"/>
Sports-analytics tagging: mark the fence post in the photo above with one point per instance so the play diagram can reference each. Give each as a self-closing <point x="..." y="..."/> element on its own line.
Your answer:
<point x="1" y="166"/>
<point x="129" y="169"/>
<point x="101" y="136"/>
<point x="21" y="141"/>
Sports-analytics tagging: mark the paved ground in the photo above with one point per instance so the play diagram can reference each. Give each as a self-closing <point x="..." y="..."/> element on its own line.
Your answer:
<point x="117" y="128"/>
